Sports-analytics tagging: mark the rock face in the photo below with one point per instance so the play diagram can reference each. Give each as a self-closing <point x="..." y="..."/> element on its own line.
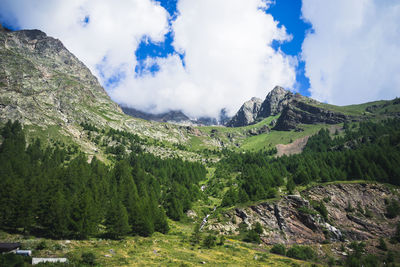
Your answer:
<point x="275" y="102"/>
<point x="299" y="112"/>
<point x="293" y="220"/>
<point x="42" y="83"/>
<point x="247" y="114"/>
<point x="294" y="109"/>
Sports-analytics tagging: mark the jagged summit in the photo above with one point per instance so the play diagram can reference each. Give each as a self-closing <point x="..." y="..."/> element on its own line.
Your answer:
<point x="247" y="114"/>
<point x="255" y="108"/>
<point x="275" y="101"/>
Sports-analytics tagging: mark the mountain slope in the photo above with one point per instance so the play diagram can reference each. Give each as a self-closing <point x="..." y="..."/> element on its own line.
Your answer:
<point x="43" y="83"/>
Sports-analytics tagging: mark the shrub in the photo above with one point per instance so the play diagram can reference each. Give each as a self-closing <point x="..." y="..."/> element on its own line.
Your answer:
<point x="258" y="228"/>
<point x="209" y="241"/>
<point x="252" y="236"/>
<point x="392" y="209"/>
<point x="41" y="245"/>
<point x="382" y="244"/>
<point x="221" y="240"/>
<point x="88" y="258"/>
<point x="279" y="249"/>
<point x="322" y="210"/>
<point x="301" y="252"/>
<point x="13" y="260"/>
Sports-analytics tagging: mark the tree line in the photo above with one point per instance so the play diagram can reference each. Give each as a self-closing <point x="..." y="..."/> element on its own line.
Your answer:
<point x="370" y="151"/>
<point x="49" y="191"/>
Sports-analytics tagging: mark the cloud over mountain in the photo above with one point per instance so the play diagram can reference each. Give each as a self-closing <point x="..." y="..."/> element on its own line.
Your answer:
<point x="353" y="54"/>
<point x="227" y="50"/>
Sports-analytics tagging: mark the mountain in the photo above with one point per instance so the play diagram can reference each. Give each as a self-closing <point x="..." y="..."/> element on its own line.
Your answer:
<point x="247" y="114"/>
<point x="52" y="93"/>
<point x="96" y="173"/>
<point x="294" y="109"/>
<point x="177" y="117"/>
<point x="275" y="102"/>
<point x="170" y="116"/>
<point x="42" y="83"/>
<point x="255" y="109"/>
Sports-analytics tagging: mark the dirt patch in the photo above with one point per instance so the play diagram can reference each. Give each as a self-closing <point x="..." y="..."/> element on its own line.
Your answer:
<point x="296" y="147"/>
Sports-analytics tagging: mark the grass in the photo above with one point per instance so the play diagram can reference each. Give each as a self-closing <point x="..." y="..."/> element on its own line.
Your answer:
<point x="270" y="140"/>
<point x="172" y="249"/>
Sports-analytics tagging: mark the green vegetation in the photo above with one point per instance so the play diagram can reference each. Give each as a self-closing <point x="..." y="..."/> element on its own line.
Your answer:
<point x="50" y="196"/>
<point x="279" y="249"/>
<point x="369" y="152"/>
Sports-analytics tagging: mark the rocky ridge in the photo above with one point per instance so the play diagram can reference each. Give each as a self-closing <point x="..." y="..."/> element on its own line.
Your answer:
<point x="247" y="114"/>
<point x="294" y="109"/>
<point x="48" y="89"/>
<point x="355" y="212"/>
<point x="299" y="112"/>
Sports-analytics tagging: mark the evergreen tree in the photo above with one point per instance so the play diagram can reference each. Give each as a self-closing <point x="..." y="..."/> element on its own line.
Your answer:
<point x="117" y="219"/>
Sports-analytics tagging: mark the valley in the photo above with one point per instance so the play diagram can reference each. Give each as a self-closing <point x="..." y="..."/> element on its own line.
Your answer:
<point x="287" y="181"/>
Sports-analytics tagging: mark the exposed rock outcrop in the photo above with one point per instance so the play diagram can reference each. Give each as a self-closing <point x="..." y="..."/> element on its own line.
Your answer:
<point x="300" y="112"/>
<point x="247" y="114"/>
<point x="42" y="83"/>
<point x="275" y="102"/>
<point x="293" y="220"/>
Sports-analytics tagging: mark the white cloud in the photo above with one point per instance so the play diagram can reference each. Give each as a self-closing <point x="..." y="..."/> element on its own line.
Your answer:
<point x="353" y="55"/>
<point x="228" y="59"/>
<point x="227" y="47"/>
<point x="110" y="38"/>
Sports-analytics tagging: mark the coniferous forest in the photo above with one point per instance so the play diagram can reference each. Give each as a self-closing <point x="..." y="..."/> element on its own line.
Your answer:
<point x="369" y="151"/>
<point x="55" y="192"/>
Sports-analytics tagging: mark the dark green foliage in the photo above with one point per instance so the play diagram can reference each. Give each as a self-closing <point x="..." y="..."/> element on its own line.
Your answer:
<point x="117" y="221"/>
<point x="89" y="127"/>
<point x="258" y="228"/>
<point x="290" y="185"/>
<point x="369" y="152"/>
<point x="221" y="240"/>
<point x="196" y="235"/>
<point x="71" y="198"/>
<point x="358" y="259"/>
<point x="321" y="208"/>
<point x="301" y="252"/>
<point x="396" y="237"/>
<point x="279" y="249"/>
<point x="41" y="245"/>
<point x="230" y="198"/>
<point x="88" y="258"/>
<point x="392" y="209"/>
<point x="13" y="260"/>
<point x="382" y="244"/>
<point x="252" y="236"/>
<point x="209" y="241"/>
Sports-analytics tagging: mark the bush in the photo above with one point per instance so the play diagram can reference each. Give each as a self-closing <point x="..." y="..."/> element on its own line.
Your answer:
<point x="392" y="209"/>
<point x="89" y="258"/>
<point x="209" y="241"/>
<point x="221" y="240"/>
<point x="13" y="260"/>
<point x="322" y="210"/>
<point x="41" y="245"/>
<point x="301" y="252"/>
<point x="252" y="236"/>
<point x="279" y="249"/>
<point x="258" y="228"/>
<point x="382" y="244"/>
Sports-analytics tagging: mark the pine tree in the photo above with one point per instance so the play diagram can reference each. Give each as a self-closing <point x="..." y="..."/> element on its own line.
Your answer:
<point x="117" y="221"/>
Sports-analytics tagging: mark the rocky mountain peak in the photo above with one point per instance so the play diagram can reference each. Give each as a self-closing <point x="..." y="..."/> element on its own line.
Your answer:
<point x="42" y="83"/>
<point x="247" y="114"/>
<point x="275" y="102"/>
